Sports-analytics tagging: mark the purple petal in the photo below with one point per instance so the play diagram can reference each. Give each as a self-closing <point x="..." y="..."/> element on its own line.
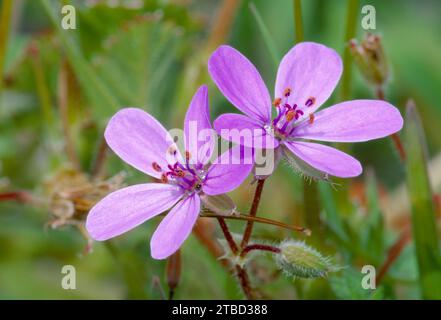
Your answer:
<point x="127" y="208"/>
<point x="175" y="228"/>
<point x="240" y="82"/>
<point x="199" y="136"/>
<point x="139" y="139"/>
<point x="243" y="130"/>
<point x="228" y="171"/>
<point x="352" y="121"/>
<point x="311" y="71"/>
<point x="326" y="159"/>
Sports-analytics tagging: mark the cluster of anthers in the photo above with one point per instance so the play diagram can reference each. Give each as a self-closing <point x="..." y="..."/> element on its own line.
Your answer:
<point x="283" y="124"/>
<point x="188" y="176"/>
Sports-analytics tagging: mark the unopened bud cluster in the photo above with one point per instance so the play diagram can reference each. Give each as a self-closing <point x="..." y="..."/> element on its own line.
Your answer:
<point x="370" y="58"/>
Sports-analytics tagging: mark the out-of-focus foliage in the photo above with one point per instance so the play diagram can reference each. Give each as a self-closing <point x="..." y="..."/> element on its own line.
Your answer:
<point x="149" y="54"/>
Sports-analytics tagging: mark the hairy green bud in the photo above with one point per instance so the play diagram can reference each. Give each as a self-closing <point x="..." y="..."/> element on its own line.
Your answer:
<point x="297" y="259"/>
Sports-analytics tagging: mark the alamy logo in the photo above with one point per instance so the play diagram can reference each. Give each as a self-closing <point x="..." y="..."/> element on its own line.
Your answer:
<point x="69" y="17"/>
<point x="69" y="281"/>
<point x="368" y="22"/>
<point x="369" y="280"/>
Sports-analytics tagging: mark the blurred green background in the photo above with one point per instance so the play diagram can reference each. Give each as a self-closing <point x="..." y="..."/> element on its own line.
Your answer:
<point x="59" y="87"/>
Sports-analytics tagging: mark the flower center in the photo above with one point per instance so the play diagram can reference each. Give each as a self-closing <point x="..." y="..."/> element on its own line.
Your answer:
<point x="283" y="124"/>
<point x="189" y="177"/>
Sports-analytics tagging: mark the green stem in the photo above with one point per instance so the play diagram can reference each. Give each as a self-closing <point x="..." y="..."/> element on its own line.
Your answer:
<point x="298" y="22"/>
<point x="5" y="23"/>
<point x="342" y="196"/>
<point x="268" y="39"/>
<point x="311" y="210"/>
<point x="351" y="28"/>
<point x="43" y="91"/>
<point x="424" y="227"/>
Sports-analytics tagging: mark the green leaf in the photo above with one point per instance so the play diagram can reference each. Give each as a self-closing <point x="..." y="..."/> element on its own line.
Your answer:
<point x="102" y="99"/>
<point x="268" y="39"/>
<point x="348" y="286"/>
<point x="372" y="232"/>
<point x="423" y="213"/>
<point x="332" y="217"/>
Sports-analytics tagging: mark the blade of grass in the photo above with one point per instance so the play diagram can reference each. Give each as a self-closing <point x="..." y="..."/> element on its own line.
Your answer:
<point x="423" y="212"/>
<point x="342" y="196"/>
<point x="351" y="29"/>
<point x="101" y="98"/>
<point x="5" y="21"/>
<point x="298" y="22"/>
<point x="311" y="201"/>
<point x="265" y="34"/>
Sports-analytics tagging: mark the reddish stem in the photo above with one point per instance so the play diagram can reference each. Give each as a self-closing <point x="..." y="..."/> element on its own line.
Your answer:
<point x="245" y="282"/>
<point x="228" y="236"/>
<point x="262" y="247"/>
<point x="241" y="273"/>
<point x="19" y="196"/>
<point x="395" y="137"/>
<point x="253" y="212"/>
<point x="393" y="253"/>
<point x="173" y="271"/>
<point x="100" y="159"/>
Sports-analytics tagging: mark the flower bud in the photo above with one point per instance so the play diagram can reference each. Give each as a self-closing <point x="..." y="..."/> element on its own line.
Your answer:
<point x="370" y="58"/>
<point x="296" y="259"/>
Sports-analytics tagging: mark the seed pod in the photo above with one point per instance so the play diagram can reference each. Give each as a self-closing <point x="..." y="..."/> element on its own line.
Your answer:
<point x="297" y="259"/>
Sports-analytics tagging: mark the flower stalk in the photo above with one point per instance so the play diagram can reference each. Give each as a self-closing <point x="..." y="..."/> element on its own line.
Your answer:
<point x="173" y="273"/>
<point x="262" y="247"/>
<point x="253" y="212"/>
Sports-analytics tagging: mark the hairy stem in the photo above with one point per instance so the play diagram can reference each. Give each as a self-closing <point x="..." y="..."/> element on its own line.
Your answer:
<point x="245" y="282"/>
<point x="253" y="212"/>
<point x="232" y="244"/>
<point x="262" y="247"/>
<point x="241" y="273"/>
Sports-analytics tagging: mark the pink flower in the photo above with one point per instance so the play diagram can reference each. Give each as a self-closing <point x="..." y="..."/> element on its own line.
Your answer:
<point x="305" y="79"/>
<point x="141" y="141"/>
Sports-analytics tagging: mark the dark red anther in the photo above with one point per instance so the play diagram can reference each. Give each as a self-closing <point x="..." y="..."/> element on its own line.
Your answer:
<point x="156" y="167"/>
<point x="311" y="118"/>
<point x="287" y="92"/>
<point x="310" y="102"/>
<point x="164" y="178"/>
